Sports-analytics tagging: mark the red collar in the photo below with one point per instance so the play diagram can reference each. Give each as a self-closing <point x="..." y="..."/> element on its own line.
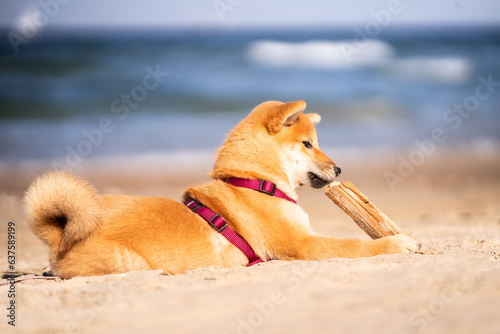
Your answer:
<point x="263" y="186"/>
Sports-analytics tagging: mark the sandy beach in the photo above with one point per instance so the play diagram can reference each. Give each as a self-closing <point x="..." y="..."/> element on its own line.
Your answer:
<point x="450" y="203"/>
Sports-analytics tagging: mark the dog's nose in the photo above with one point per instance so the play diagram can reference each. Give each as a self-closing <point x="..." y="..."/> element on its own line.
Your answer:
<point x="337" y="170"/>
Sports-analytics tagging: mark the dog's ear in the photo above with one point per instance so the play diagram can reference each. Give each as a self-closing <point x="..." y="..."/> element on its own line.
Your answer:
<point x="283" y="115"/>
<point x="314" y="118"/>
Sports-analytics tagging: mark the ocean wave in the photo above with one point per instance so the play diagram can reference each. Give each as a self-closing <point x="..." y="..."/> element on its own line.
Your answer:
<point x="320" y="53"/>
<point x="443" y="69"/>
<point x="377" y="54"/>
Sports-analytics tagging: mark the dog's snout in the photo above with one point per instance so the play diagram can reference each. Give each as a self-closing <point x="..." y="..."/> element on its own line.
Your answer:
<point x="337" y="170"/>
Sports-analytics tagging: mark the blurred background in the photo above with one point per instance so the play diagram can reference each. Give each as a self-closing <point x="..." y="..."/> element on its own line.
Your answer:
<point x="83" y="81"/>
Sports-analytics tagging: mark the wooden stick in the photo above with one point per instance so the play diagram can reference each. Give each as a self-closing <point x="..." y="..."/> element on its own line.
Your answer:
<point x="364" y="213"/>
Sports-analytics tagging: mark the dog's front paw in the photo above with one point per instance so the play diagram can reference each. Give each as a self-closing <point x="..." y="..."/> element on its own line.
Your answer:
<point x="401" y="243"/>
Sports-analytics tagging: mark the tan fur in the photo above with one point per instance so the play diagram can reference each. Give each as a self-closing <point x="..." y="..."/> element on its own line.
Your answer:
<point x="59" y="198"/>
<point x="90" y="234"/>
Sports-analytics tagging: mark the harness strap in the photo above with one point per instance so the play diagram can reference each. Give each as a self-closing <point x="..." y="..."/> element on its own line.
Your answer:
<point x="263" y="186"/>
<point x="220" y="225"/>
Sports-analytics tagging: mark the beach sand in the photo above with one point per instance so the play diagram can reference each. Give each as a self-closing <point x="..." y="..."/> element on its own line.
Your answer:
<point x="450" y="203"/>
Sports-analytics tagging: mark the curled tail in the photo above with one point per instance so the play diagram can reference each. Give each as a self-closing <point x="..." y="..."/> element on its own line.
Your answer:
<point x="61" y="209"/>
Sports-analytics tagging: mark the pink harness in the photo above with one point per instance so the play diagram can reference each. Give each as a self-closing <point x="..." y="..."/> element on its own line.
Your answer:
<point x="220" y="224"/>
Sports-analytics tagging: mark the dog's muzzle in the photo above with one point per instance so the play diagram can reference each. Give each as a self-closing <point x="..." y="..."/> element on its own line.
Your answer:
<point x="321" y="180"/>
<point x="317" y="181"/>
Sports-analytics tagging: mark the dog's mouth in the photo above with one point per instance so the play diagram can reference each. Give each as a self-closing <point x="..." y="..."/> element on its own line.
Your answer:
<point x="316" y="181"/>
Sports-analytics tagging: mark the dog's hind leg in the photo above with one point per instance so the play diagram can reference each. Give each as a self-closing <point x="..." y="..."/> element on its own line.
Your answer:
<point x="95" y="259"/>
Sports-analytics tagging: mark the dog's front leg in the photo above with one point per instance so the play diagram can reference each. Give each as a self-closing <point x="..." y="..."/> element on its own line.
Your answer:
<point x="313" y="247"/>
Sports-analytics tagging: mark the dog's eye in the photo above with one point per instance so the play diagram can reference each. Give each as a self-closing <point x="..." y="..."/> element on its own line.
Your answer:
<point x="307" y="144"/>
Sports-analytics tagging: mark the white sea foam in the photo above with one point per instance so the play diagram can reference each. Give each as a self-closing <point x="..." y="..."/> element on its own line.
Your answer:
<point x="373" y="53"/>
<point x="319" y="53"/>
<point x="443" y="69"/>
<point x="146" y="163"/>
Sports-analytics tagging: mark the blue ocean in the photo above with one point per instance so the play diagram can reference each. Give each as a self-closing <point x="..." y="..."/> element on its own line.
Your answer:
<point x="67" y="96"/>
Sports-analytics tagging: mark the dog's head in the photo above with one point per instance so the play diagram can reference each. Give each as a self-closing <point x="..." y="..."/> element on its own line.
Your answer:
<point x="294" y="132"/>
<point x="277" y="140"/>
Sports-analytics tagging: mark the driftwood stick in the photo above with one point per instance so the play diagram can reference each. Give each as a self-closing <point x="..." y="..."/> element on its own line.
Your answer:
<point x="364" y="213"/>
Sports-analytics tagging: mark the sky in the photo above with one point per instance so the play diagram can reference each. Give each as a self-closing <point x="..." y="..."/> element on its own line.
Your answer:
<point x="245" y="13"/>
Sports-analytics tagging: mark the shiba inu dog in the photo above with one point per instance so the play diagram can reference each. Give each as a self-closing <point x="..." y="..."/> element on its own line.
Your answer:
<point x="244" y="215"/>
